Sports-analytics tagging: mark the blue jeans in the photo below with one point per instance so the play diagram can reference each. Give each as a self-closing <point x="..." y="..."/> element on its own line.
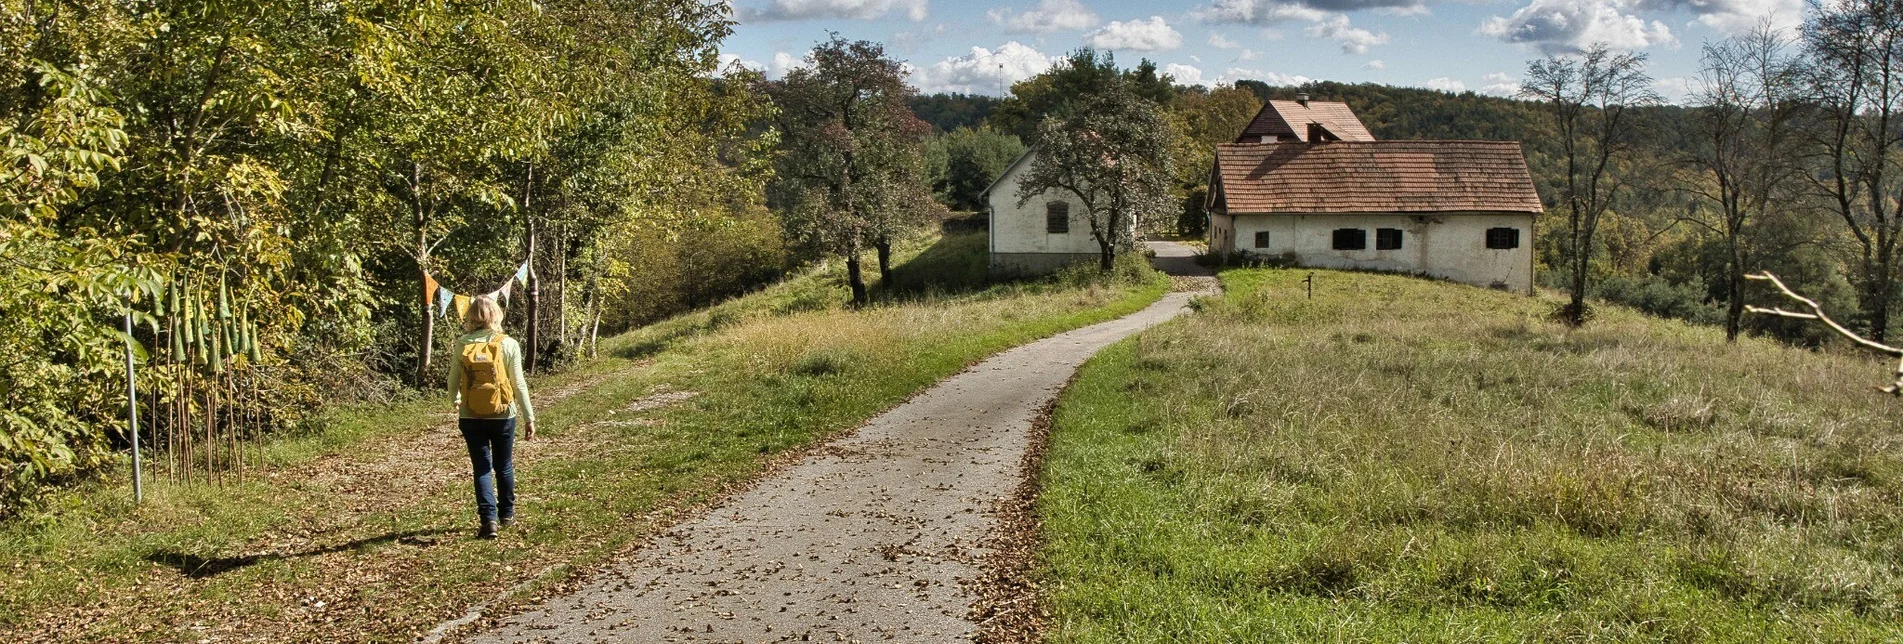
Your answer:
<point x="491" y="443"/>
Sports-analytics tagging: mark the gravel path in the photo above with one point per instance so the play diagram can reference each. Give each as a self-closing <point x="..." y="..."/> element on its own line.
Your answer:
<point x="868" y="540"/>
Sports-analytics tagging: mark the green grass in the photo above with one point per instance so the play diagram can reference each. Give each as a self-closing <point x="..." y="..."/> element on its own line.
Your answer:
<point x="1406" y="460"/>
<point x="357" y="533"/>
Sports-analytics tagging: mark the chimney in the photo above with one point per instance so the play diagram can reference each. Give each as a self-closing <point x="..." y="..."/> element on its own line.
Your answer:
<point x="1302" y="98"/>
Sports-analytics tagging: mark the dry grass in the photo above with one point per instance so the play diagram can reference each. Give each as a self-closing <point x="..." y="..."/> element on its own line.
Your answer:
<point x="1404" y="460"/>
<point x="362" y="531"/>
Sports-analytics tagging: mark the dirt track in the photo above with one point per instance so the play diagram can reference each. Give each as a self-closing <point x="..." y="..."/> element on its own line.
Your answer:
<point x="869" y="540"/>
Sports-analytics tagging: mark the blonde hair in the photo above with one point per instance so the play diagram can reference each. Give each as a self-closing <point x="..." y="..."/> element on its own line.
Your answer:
<point x="484" y="313"/>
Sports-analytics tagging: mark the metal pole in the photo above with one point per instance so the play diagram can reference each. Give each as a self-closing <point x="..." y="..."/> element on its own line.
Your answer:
<point x="1310" y="282"/>
<point x="132" y="412"/>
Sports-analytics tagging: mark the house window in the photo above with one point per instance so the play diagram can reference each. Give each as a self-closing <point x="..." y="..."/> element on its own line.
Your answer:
<point x="1351" y="239"/>
<point x="1057" y="217"/>
<point x="1503" y="238"/>
<point x="1261" y="239"/>
<point x="1387" y="239"/>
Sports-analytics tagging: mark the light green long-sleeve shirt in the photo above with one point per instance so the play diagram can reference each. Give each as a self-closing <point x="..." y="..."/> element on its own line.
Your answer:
<point x="511" y="360"/>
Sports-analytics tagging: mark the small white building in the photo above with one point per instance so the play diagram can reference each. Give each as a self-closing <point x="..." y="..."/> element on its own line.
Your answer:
<point x="1306" y="183"/>
<point x="1047" y="233"/>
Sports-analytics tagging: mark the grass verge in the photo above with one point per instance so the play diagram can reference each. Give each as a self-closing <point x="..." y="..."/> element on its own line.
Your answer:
<point x="361" y="531"/>
<point x="1405" y="460"/>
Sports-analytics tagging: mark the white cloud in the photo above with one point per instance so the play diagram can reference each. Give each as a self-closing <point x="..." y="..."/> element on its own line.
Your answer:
<point x="1185" y="74"/>
<point x="1676" y="89"/>
<point x="1219" y="42"/>
<point x="1445" y="84"/>
<point x="727" y="60"/>
<point x="1256" y="12"/>
<point x="782" y="63"/>
<point x="1264" y="12"/>
<point x="1233" y="74"/>
<point x="1736" y="16"/>
<point x="1500" y="84"/>
<point x="982" y="71"/>
<point x="1049" y="16"/>
<point x="1137" y="35"/>
<point x="1248" y="54"/>
<point x="851" y="9"/>
<point x="1375" y="65"/>
<point x="1353" y="40"/>
<point x="1568" y="26"/>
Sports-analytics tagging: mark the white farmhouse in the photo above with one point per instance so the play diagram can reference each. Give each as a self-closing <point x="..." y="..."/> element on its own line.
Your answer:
<point x="1307" y="183"/>
<point x="1048" y="232"/>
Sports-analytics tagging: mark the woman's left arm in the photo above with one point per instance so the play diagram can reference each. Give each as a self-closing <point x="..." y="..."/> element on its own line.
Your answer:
<point x="521" y="385"/>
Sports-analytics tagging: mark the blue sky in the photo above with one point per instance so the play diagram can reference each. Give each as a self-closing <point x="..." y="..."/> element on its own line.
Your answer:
<point x="981" y="46"/>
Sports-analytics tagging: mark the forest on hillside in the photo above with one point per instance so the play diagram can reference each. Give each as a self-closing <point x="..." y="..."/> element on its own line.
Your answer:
<point x="279" y="207"/>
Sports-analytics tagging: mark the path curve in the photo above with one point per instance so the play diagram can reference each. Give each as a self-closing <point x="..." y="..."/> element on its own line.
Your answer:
<point x="867" y="540"/>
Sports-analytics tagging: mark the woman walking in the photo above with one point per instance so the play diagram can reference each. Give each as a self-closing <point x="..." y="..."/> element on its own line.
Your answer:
<point x="486" y="379"/>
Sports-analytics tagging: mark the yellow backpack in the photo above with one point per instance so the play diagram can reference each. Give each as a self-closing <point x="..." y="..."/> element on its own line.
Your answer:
<point x="486" y="388"/>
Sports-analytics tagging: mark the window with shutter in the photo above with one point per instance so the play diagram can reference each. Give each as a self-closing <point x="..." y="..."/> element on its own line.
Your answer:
<point x="1503" y="238"/>
<point x="1057" y="217"/>
<point x="1387" y="239"/>
<point x="1351" y="239"/>
<point x="1261" y="239"/>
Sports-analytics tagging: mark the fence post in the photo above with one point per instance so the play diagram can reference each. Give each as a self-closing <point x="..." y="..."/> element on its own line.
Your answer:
<point x="132" y="414"/>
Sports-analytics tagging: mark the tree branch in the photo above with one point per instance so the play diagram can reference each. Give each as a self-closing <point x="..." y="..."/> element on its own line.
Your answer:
<point x="1817" y="313"/>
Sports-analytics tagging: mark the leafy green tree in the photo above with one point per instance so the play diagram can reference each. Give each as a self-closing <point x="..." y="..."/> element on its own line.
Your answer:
<point x="1112" y="154"/>
<point x="1054" y="92"/>
<point x="851" y="165"/>
<point x="968" y="161"/>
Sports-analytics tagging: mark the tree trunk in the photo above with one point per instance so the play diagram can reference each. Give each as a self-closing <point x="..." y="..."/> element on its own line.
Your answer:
<point x="1107" y="257"/>
<point x="532" y="348"/>
<point x="1734" y="278"/>
<point x="853" y="277"/>
<point x="561" y="285"/>
<point x="884" y="246"/>
<point x="424" y="350"/>
<point x="1576" y="310"/>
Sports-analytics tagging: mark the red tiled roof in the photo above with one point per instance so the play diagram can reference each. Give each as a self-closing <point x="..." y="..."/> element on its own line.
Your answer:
<point x="1291" y="118"/>
<point x="1374" y="176"/>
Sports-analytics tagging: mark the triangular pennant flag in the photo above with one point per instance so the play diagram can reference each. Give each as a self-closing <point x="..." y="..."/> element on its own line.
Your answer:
<point x="443" y="297"/>
<point x="462" y="307"/>
<point x="503" y="293"/>
<point x="522" y="274"/>
<point x="429" y="286"/>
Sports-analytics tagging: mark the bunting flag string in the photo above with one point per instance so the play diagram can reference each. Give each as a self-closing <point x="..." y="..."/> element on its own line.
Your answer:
<point x="443" y="297"/>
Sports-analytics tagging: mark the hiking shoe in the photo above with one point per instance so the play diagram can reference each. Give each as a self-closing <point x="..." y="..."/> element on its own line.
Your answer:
<point x="488" y="530"/>
<point x="505" y="521"/>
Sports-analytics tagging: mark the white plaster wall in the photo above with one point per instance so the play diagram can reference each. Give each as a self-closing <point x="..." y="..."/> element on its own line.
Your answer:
<point x="1449" y="245"/>
<point x="1221" y="234"/>
<point x="1022" y="230"/>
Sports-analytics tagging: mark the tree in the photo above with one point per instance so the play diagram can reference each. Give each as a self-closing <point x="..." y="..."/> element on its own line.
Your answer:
<point x="1590" y="97"/>
<point x="1855" y="50"/>
<point x="1742" y="162"/>
<point x="851" y="165"/>
<point x="1200" y="119"/>
<point x="1113" y="155"/>
<point x="970" y="159"/>
<point x="1054" y="92"/>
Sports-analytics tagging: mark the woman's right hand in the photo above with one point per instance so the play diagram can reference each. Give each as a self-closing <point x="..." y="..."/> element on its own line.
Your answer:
<point x="528" y="431"/>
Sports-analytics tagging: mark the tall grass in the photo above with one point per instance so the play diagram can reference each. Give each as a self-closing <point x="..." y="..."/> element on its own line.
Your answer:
<point x="361" y="530"/>
<point x="1404" y="460"/>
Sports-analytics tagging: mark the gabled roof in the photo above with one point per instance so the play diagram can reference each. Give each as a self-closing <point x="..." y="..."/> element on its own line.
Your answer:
<point x="1280" y="119"/>
<point x="1375" y="176"/>
<point x="1026" y="156"/>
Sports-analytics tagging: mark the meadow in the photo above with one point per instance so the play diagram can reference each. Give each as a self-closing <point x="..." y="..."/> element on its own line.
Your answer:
<point x="360" y="529"/>
<point x="1399" y="459"/>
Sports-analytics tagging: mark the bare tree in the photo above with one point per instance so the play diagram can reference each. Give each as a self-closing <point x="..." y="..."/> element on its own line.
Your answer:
<point x="1855" y="49"/>
<point x="1817" y="313"/>
<point x="1741" y="158"/>
<point x="1591" y="96"/>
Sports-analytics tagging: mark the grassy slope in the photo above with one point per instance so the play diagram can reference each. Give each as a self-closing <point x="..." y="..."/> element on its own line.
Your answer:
<point x="1405" y="460"/>
<point x="376" y="555"/>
